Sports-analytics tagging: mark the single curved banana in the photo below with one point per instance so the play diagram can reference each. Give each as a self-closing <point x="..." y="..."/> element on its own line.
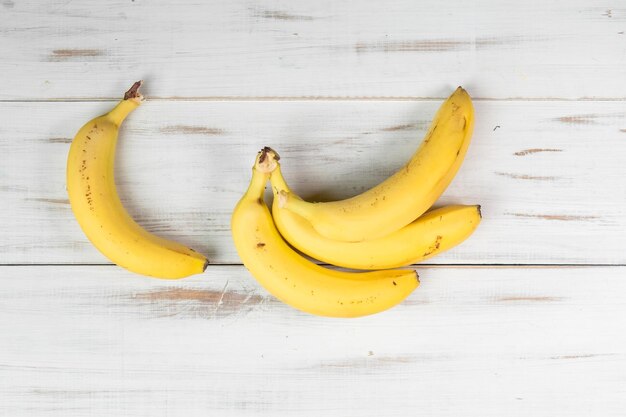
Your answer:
<point x="431" y="234"/>
<point x="409" y="192"/>
<point x="297" y="281"/>
<point x="99" y="211"/>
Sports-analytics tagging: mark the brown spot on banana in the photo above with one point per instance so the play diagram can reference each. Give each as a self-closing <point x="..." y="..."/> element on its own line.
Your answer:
<point x="433" y="247"/>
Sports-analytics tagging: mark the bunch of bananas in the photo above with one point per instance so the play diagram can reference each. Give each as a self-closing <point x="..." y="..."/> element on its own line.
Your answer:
<point x="384" y="227"/>
<point x="379" y="230"/>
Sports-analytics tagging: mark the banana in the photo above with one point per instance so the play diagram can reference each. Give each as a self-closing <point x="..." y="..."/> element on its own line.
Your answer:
<point x="409" y="192"/>
<point x="297" y="281"/>
<point x="432" y="233"/>
<point x="99" y="211"/>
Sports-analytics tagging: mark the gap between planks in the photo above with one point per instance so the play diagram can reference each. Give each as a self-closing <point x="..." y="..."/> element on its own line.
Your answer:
<point x="314" y="98"/>
<point x="469" y="266"/>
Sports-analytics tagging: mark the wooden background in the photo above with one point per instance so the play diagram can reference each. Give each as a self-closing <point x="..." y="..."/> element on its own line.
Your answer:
<point x="525" y="318"/>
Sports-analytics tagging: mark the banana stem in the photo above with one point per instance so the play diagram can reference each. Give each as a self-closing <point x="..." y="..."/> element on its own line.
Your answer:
<point x="256" y="189"/>
<point x="267" y="160"/>
<point x="298" y="206"/>
<point x="132" y="100"/>
<point x="133" y="92"/>
<point x="278" y="181"/>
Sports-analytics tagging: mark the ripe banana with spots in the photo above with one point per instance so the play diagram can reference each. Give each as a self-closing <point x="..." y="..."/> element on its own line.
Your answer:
<point x="99" y="211"/>
<point x="297" y="281"/>
<point x="409" y="192"/>
<point x="431" y="234"/>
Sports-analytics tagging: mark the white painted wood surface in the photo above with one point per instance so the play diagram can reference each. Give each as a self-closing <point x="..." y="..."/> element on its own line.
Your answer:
<point x="251" y="48"/>
<point x="344" y="91"/>
<point x="549" y="175"/>
<point x="470" y="341"/>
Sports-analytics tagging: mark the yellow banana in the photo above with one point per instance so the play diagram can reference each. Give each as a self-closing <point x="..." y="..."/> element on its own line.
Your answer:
<point x="297" y="281"/>
<point x="99" y="211"/>
<point x="431" y="234"/>
<point x="409" y="192"/>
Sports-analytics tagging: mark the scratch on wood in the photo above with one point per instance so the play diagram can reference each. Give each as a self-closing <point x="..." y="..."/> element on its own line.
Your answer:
<point x="368" y="361"/>
<point x="185" y="294"/>
<point x="60" y="140"/>
<point x="192" y="130"/>
<point x="8" y="4"/>
<point x="616" y="14"/>
<point x="582" y="356"/>
<point x="194" y="302"/>
<point x="415" y="302"/>
<point x="50" y="200"/>
<point x="585" y="119"/>
<point x="562" y="217"/>
<point x="536" y="150"/>
<point x="527" y="177"/>
<point x="403" y="127"/>
<point x="12" y="189"/>
<point x="433" y="45"/>
<point x="530" y="298"/>
<point x="65" y="54"/>
<point x="395" y="359"/>
<point x="219" y="302"/>
<point x="282" y="15"/>
<point x="410" y="46"/>
<point x="65" y="393"/>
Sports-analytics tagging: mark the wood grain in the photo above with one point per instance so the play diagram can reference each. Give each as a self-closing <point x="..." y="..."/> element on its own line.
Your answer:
<point x="183" y="165"/>
<point x="469" y="341"/>
<point x="399" y="48"/>
<point x="344" y="91"/>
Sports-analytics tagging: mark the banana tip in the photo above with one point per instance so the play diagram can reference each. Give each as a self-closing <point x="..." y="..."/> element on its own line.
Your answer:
<point x="461" y="94"/>
<point x="206" y="265"/>
<point x="417" y="277"/>
<point x="479" y="208"/>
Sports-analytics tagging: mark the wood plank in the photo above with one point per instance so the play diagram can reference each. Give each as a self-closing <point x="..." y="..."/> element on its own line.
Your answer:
<point x="300" y="48"/>
<point x="550" y="176"/>
<point x="78" y="341"/>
